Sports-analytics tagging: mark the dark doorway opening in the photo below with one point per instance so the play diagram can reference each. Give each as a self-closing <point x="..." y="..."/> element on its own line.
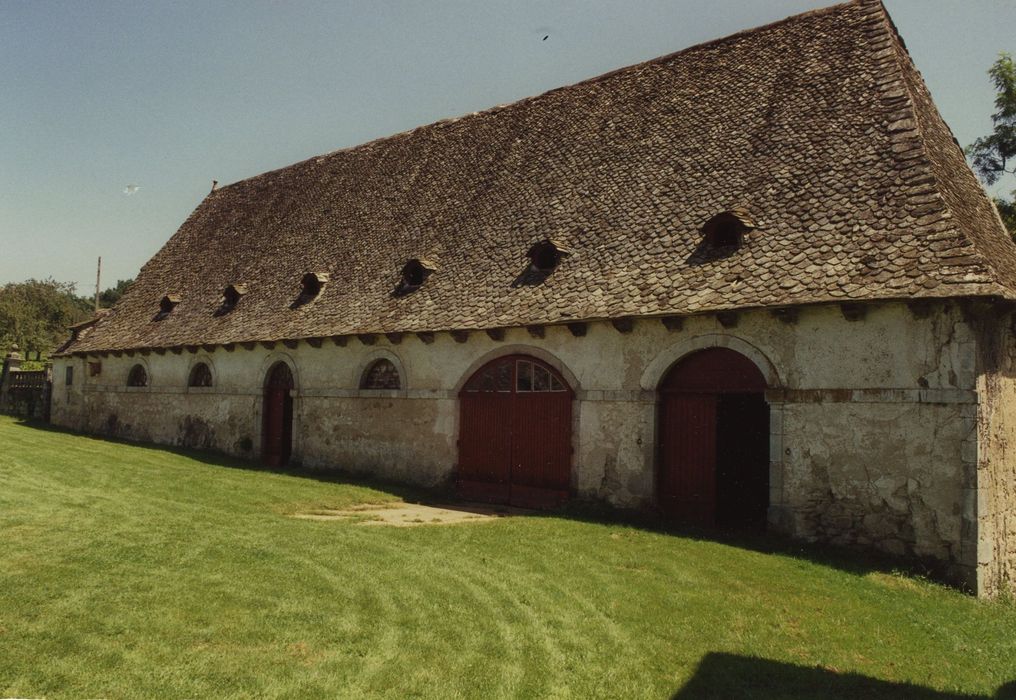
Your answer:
<point x="714" y="442"/>
<point x="515" y="432"/>
<point x="277" y="426"/>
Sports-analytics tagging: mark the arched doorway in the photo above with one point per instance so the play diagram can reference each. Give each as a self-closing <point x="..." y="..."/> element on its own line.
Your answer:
<point x="714" y="441"/>
<point x="277" y="429"/>
<point x="515" y="430"/>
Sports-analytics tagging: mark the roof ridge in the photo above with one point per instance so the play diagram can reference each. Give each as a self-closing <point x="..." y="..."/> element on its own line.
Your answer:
<point x="447" y="121"/>
<point x="919" y="136"/>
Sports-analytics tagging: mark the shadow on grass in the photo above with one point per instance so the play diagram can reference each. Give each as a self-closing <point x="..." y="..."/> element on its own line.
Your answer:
<point x="841" y="558"/>
<point x="730" y="676"/>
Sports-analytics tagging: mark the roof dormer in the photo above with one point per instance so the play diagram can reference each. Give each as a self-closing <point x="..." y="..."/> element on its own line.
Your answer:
<point x="726" y="230"/>
<point x="544" y="256"/>
<point x="232" y="294"/>
<point x="414" y="273"/>
<point x="166" y="306"/>
<point x="311" y="285"/>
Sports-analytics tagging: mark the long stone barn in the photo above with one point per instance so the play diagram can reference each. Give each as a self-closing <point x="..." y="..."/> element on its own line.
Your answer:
<point x="753" y="283"/>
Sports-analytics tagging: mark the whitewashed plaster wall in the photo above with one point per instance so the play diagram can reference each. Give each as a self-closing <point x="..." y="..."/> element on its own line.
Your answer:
<point x="869" y="417"/>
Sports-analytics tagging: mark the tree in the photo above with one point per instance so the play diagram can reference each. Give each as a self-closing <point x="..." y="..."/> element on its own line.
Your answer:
<point x="1008" y="212"/>
<point x="113" y="294"/>
<point x="994" y="155"/>
<point x="35" y="314"/>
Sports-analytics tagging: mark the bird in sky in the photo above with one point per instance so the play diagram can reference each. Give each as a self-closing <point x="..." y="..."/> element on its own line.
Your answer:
<point x="131" y="189"/>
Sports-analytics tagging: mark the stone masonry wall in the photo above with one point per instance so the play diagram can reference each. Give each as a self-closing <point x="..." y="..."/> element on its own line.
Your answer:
<point x="869" y="417"/>
<point x="994" y="498"/>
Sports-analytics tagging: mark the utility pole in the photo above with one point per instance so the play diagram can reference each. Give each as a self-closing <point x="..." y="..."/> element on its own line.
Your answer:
<point x="98" y="274"/>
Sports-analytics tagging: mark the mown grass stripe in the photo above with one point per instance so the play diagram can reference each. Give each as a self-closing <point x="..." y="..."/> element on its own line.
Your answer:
<point x="136" y="572"/>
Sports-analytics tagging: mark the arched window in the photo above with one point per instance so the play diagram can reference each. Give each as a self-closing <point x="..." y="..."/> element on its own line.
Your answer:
<point x="381" y="374"/>
<point x="200" y="376"/>
<point x="137" y="376"/>
<point x="528" y="376"/>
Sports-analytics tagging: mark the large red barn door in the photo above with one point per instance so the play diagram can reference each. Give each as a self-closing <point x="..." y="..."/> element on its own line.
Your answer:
<point x="714" y="441"/>
<point x="277" y="410"/>
<point x="485" y="448"/>
<point x="515" y="434"/>
<point x="687" y="484"/>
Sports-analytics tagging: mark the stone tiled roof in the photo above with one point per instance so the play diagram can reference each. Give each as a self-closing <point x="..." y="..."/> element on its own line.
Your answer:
<point x="81" y="329"/>
<point x="817" y="129"/>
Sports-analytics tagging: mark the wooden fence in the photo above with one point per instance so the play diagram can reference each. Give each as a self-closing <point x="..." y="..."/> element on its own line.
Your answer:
<point x="25" y="393"/>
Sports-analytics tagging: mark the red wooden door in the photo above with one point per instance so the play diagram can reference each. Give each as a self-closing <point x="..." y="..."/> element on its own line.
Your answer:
<point x="277" y="426"/>
<point x="688" y="457"/>
<point x="541" y="449"/>
<point x="714" y="441"/>
<point x="485" y="452"/>
<point x="515" y="434"/>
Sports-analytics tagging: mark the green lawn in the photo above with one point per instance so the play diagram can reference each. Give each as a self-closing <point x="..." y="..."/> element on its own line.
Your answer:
<point x="132" y="572"/>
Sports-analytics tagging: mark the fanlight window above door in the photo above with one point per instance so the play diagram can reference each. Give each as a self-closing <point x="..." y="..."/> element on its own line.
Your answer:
<point x="534" y="377"/>
<point x="518" y="374"/>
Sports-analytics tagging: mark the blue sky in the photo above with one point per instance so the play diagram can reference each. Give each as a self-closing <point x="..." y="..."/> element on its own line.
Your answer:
<point x="171" y="95"/>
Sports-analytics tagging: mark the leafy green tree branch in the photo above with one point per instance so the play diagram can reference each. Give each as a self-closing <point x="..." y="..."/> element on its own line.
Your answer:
<point x="994" y="155"/>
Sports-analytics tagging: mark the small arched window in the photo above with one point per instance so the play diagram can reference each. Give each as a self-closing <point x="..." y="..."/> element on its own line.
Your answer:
<point x="137" y="376"/>
<point x="200" y="376"/>
<point x="382" y="374"/>
<point x="522" y="375"/>
<point x="534" y="377"/>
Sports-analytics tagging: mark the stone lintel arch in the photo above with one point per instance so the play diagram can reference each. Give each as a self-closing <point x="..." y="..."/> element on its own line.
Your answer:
<point x="368" y="359"/>
<point x="519" y="349"/>
<point x="270" y="360"/>
<point x="657" y="369"/>
<point x="273" y="358"/>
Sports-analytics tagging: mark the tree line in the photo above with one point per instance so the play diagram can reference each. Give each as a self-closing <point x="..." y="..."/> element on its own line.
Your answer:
<point x="994" y="155"/>
<point x="35" y="314"/>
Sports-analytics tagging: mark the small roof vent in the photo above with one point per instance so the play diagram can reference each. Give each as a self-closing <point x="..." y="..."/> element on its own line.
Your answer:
<point x="544" y="256"/>
<point x="726" y="230"/>
<point x="311" y="285"/>
<point x="232" y="294"/>
<point x="166" y="306"/>
<point x="414" y="273"/>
